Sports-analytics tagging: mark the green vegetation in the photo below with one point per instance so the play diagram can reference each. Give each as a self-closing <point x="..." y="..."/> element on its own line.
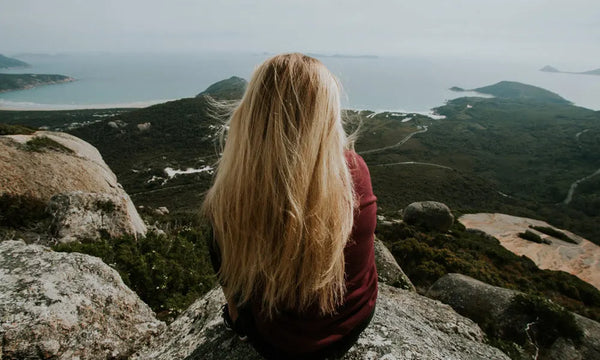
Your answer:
<point x="531" y="236"/>
<point x="548" y="320"/>
<point x="554" y="233"/>
<point x="21" y="210"/>
<point x="107" y="206"/>
<point x="9" y="82"/>
<point x="510" y="155"/>
<point x="229" y="89"/>
<point x="43" y="143"/>
<point x="168" y="272"/>
<point x="425" y="257"/>
<point x="515" y="90"/>
<point x="7" y="62"/>
<point x="6" y="129"/>
<point x="58" y="120"/>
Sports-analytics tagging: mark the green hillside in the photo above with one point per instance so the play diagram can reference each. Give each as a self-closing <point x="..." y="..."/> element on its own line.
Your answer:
<point x="228" y="89"/>
<point x="9" y="82"/>
<point x="518" y="91"/>
<point x="6" y="62"/>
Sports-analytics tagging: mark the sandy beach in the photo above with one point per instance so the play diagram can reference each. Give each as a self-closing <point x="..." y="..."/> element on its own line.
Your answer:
<point x="28" y="106"/>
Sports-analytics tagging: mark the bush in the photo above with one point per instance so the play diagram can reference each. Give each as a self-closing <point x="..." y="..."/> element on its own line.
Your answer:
<point x="531" y="236"/>
<point x="554" y="233"/>
<point x="545" y="321"/>
<point x="6" y="129"/>
<point x="42" y="143"/>
<point x="167" y="272"/>
<point x="21" y="210"/>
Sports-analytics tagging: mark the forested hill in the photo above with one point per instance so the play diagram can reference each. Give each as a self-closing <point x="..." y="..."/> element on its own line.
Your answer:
<point x="518" y="91"/>
<point x="10" y="82"/>
<point x="228" y="89"/>
<point x="6" y="62"/>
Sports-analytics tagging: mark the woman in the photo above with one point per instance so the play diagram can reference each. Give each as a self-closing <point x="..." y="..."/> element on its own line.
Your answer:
<point x="293" y="216"/>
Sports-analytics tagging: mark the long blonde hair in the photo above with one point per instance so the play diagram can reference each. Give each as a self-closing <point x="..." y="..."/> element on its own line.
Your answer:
<point x="282" y="202"/>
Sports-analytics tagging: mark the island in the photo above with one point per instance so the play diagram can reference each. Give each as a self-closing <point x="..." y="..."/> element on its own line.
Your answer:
<point x="8" y="63"/>
<point x="516" y="90"/>
<point x="552" y="69"/>
<point x="12" y="82"/>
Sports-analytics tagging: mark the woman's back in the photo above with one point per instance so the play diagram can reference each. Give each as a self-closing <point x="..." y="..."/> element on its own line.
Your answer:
<point x="311" y="331"/>
<point x="293" y="211"/>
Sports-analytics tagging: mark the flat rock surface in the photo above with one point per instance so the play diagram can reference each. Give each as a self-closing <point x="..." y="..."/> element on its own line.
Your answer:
<point x="405" y="326"/>
<point x="581" y="259"/>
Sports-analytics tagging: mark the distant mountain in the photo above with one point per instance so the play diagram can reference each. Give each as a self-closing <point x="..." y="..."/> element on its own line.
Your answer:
<point x="549" y="68"/>
<point x="228" y="89"/>
<point x="592" y="72"/>
<point x="6" y="62"/>
<point x="10" y="82"/>
<point x="518" y="91"/>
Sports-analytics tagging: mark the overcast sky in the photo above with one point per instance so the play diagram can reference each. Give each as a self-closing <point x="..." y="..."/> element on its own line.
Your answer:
<point x="544" y="31"/>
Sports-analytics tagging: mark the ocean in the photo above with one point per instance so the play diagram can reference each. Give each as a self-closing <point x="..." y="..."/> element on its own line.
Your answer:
<point x="403" y="84"/>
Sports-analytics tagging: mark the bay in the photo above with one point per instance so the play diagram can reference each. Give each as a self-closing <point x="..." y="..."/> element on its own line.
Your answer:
<point x="408" y="84"/>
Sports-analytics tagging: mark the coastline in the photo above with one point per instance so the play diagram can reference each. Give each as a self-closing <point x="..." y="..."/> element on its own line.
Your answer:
<point x="64" y="80"/>
<point x="29" y="106"/>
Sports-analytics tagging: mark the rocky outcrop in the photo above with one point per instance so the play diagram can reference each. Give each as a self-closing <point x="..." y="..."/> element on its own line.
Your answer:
<point x="51" y="165"/>
<point x="430" y="215"/>
<point x="405" y="326"/>
<point x="85" y="216"/>
<point x="472" y="298"/>
<point x="579" y="257"/>
<point x="67" y="306"/>
<point x="388" y="270"/>
<point x="487" y="304"/>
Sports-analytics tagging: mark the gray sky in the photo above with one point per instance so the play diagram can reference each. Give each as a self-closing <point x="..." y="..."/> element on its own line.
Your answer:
<point x="544" y="31"/>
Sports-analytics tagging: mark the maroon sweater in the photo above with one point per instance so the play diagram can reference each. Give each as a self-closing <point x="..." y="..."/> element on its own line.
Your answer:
<point x="311" y="332"/>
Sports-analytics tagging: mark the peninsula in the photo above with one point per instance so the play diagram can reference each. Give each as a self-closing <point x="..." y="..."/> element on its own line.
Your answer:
<point x="12" y="82"/>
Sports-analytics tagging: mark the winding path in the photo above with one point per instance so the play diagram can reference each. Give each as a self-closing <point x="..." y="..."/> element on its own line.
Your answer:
<point x="405" y="139"/>
<point x="574" y="186"/>
<point x="416" y="163"/>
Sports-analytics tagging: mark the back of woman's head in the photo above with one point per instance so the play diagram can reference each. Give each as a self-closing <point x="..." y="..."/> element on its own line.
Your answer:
<point x="282" y="202"/>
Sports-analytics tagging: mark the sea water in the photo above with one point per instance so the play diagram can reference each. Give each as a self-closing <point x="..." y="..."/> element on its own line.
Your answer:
<point x="408" y="84"/>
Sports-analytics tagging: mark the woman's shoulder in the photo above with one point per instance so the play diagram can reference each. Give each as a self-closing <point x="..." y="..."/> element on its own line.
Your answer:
<point x="361" y="177"/>
<point x="355" y="161"/>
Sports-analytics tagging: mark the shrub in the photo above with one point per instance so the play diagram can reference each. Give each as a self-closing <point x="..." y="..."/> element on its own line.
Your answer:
<point x="531" y="236"/>
<point x="42" y="143"/>
<point x="167" y="272"/>
<point x="544" y="320"/>
<point x="554" y="233"/>
<point x="106" y="206"/>
<point x="6" y="129"/>
<point x="21" y="210"/>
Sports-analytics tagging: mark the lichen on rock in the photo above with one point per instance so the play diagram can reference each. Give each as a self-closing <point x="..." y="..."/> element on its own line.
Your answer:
<point x="405" y="326"/>
<point x="67" y="305"/>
